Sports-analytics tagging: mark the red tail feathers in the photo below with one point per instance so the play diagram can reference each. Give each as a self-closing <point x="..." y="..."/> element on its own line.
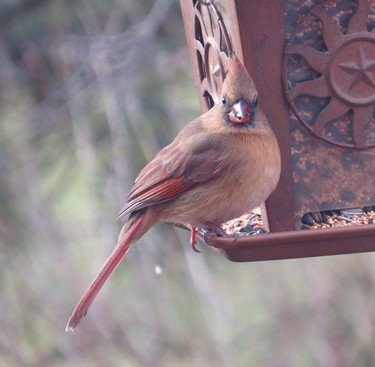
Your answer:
<point x="136" y="230"/>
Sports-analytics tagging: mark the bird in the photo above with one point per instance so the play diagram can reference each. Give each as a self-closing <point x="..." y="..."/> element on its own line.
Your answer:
<point x="220" y="165"/>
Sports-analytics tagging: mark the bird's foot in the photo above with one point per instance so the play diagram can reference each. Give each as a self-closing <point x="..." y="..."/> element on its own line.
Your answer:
<point x="212" y="231"/>
<point x="193" y="239"/>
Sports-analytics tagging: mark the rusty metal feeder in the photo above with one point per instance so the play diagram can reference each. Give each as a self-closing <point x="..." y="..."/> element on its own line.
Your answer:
<point x="313" y="63"/>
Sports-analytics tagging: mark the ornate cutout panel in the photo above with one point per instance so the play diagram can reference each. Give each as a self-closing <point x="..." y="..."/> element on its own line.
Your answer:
<point x="329" y="73"/>
<point x="212" y="45"/>
<point x="329" y="84"/>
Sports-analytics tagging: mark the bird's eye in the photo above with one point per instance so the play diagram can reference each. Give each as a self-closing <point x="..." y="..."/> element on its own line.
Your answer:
<point x="224" y="101"/>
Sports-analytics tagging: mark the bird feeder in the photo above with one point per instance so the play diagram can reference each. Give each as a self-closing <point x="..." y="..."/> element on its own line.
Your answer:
<point x="313" y="63"/>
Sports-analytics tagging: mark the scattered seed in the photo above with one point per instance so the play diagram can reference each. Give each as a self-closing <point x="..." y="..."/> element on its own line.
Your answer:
<point x="248" y="224"/>
<point x="346" y="217"/>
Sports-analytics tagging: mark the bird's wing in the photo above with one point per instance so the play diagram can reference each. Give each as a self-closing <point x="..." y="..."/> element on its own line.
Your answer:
<point x="172" y="172"/>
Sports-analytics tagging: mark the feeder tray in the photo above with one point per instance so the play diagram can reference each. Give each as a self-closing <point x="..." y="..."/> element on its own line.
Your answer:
<point x="313" y="63"/>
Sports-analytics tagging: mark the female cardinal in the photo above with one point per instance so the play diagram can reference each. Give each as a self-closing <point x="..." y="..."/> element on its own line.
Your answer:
<point x="223" y="163"/>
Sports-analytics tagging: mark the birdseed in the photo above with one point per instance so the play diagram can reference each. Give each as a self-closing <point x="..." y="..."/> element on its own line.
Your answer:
<point x="248" y="224"/>
<point x="339" y="218"/>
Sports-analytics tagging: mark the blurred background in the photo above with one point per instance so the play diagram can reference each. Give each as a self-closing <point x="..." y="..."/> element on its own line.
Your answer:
<point x="90" y="90"/>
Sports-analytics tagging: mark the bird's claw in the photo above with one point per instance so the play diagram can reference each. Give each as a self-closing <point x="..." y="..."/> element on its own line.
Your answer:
<point x="193" y="239"/>
<point x="212" y="231"/>
<point x="208" y="233"/>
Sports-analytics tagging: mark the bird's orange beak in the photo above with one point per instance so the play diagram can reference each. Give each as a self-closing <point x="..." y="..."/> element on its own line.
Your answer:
<point x="240" y="112"/>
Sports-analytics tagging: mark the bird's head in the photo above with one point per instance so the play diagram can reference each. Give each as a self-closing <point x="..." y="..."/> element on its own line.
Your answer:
<point x="239" y="99"/>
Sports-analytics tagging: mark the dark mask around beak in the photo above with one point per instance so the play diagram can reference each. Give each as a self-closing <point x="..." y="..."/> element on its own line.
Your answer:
<point x="240" y="112"/>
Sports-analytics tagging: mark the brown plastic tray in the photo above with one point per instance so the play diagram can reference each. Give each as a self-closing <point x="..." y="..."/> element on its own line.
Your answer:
<point x="297" y="244"/>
